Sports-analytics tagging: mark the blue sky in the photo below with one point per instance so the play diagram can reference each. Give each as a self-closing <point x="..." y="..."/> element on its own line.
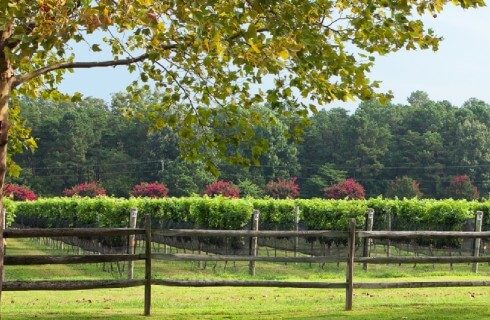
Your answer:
<point x="459" y="70"/>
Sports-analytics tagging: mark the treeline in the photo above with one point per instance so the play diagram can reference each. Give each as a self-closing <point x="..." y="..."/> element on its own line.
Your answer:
<point x="430" y="142"/>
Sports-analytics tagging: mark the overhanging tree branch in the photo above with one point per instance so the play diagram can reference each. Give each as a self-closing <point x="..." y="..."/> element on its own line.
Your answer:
<point x="77" y="65"/>
<point x="96" y="64"/>
<point x="82" y="65"/>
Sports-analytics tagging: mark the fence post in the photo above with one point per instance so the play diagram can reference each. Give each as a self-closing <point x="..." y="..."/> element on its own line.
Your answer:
<point x="133" y="215"/>
<point x="254" y="242"/>
<point x="147" y="264"/>
<point x="367" y="241"/>
<point x="349" y="279"/>
<point x="296" y="228"/>
<point x="476" y="247"/>
<point x="3" y="222"/>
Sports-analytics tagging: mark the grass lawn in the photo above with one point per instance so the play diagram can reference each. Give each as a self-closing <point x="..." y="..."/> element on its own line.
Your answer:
<point x="245" y="303"/>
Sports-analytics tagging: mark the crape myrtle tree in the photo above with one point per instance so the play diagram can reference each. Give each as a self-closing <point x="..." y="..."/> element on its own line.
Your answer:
<point x="209" y="56"/>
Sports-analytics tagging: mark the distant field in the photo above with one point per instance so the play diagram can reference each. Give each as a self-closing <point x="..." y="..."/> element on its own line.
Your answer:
<point x="245" y="303"/>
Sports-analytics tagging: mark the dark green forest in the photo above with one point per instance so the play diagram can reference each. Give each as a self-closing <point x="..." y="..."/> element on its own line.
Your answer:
<point x="429" y="141"/>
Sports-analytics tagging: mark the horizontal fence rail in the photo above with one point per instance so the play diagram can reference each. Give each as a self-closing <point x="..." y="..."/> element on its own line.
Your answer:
<point x="317" y="285"/>
<point x="101" y="284"/>
<point x="420" y="284"/>
<point x="420" y="234"/>
<point x="419" y="259"/>
<point x="69" y="285"/>
<point x="319" y="259"/>
<point x="25" y="260"/>
<point x="249" y="233"/>
<point x="240" y="283"/>
<point x="200" y="257"/>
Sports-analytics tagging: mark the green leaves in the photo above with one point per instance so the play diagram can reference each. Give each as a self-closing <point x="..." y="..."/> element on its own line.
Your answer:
<point x="20" y="139"/>
<point x="76" y="97"/>
<point x="216" y="55"/>
<point x="231" y="41"/>
<point x="225" y="213"/>
<point x="96" y="48"/>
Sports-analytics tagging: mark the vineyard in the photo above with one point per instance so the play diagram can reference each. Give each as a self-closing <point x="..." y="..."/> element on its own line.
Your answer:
<point x="235" y="214"/>
<point x="224" y="213"/>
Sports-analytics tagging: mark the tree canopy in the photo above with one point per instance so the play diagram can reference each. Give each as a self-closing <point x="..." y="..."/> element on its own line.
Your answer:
<point x="409" y="147"/>
<point x="214" y="57"/>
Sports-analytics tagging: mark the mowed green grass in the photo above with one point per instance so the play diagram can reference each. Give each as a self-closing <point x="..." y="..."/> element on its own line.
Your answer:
<point x="245" y="303"/>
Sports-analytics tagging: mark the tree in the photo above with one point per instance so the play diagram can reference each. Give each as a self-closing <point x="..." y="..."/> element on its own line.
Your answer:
<point x="270" y="141"/>
<point x="372" y="137"/>
<point x="185" y="178"/>
<point x="404" y="187"/>
<point x="71" y="143"/>
<point x="250" y="189"/>
<point x="209" y="57"/>
<point x="420" y="143"/>
<point x="461" y="187"/>
<point x="151" y="190"/>
<point x="326" y="175"/>
<point x="18" y="193"/>
<point x="325" y="142"/>
<point x="470" y="143"/>
<point x="347" y="189"/>
<point x="87" y="189"/>
<point x="223" y="188"/>
<point x="187" y="50"/>
<point x="418" y="98"/>
<point x="282" y="188"/>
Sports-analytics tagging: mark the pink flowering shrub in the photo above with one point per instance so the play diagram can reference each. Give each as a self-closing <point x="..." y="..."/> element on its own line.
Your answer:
<point x="86" y="189"/>
<point x="347" y="189"/>
<point x="151" y="190"/>
<point x="461" y="187"/>
<point x="282" y="188"/>
<point x="18" y="193"/>
<point x="222" y="187"/>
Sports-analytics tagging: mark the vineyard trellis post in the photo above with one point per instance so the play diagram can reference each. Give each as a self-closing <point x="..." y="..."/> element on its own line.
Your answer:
<point x="367" y="241"/>
<point x="477" y="243"/>
<point x="254" y="241"/>
<point x="388" y="241"/>
<point x="133" y="217"/>
<point x="296" y="228"/>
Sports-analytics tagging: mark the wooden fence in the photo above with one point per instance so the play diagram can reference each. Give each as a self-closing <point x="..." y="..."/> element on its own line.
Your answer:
<point x="352" y="235"/>
<point x="295" y="246"/>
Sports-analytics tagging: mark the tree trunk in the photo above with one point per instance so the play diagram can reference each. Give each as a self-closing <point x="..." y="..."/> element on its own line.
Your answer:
<point x="6" y="78"/>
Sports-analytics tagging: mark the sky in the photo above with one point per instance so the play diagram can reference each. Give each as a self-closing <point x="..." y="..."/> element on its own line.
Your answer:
<point x="459" y="70"/>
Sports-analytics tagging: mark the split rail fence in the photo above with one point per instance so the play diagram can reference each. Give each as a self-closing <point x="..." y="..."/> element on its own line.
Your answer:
<point x="352" y="235"/>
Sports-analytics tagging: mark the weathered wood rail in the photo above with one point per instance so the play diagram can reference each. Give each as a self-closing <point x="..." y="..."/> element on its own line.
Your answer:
<point x="250" y="233"/>
<point x="69" y="259"/>
<point x="350" y="259"/>
<point x="421" y="234"/>
<point x="62" y="285"/>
